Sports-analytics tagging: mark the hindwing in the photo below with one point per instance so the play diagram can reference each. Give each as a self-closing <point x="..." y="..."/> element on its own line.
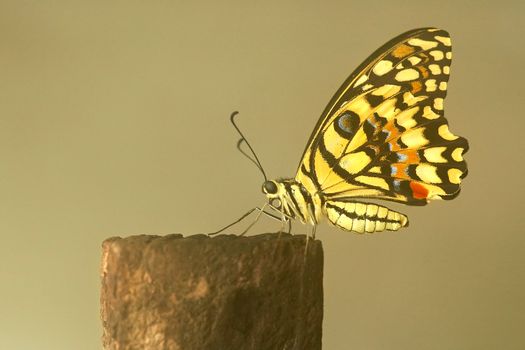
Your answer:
<point x="384" y="134"/>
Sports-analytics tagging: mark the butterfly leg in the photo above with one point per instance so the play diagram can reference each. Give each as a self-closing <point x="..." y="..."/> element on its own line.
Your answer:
<point x="270" y="215"/>
<point x="233" y="223"/>
<point x="314" y="229"/>
<point x="306" y="246"/>
<point x="284" y="219"/>
<point x="261" y="211"/>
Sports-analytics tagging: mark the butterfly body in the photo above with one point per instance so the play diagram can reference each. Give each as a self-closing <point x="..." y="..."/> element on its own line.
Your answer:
<point x="295" y="202"/>
<point x="382" y="136"/>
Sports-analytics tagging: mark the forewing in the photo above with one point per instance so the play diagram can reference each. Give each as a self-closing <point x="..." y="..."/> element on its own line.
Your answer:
<point x="384" y="134"/>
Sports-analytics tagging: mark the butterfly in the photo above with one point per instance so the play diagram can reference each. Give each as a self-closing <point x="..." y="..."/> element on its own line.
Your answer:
<point x="383" y="135"/>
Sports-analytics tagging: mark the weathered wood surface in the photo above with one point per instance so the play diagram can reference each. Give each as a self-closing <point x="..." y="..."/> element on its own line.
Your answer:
<point x="227" y="292"/>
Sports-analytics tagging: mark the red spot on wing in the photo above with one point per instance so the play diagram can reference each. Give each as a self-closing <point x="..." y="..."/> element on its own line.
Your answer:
<point x="418" y="191"/>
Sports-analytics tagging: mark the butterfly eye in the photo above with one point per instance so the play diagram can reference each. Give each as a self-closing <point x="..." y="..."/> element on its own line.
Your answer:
<point x="276" y="203"/>
<point x="348" y="123"/>
<point x="269" y="187"/>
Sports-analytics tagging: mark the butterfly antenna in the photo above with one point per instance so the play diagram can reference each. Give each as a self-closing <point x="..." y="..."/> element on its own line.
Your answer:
<point x="255" y="160"/>
<point x="239" y="144"/>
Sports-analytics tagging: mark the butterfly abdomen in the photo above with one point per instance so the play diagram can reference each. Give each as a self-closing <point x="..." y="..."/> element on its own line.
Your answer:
<point x="363" y="217"/>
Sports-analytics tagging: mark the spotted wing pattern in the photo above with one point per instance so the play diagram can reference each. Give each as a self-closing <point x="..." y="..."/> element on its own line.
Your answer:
<point x="383" y="134"/>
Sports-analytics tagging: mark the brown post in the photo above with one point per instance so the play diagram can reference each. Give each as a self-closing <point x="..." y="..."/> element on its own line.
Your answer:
<point x="200" y="293"/>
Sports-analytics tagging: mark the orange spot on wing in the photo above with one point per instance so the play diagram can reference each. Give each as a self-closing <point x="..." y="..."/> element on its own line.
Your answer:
<point x="401" y="171"/>
<point x="394" y="146"/>
<point x="392" y="129"/>
<point x="423" y="71"/>
<point x="393" y="136"/>
<point x="418" y="191"/>
<point x="412" y="156"/>
<point x="402" y="51"/>
<point x="416" y="86"/>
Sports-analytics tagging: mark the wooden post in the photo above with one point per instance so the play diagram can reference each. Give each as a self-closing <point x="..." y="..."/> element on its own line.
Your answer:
<point x="199" y="293"/>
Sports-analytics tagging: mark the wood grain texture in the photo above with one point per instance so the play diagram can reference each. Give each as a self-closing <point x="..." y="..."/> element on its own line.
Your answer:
<point x="227" y="292"/>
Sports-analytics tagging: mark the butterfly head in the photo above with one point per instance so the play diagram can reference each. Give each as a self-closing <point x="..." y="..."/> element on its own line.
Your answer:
<point x="292" y="200"/>
<point x="274" y="191"/>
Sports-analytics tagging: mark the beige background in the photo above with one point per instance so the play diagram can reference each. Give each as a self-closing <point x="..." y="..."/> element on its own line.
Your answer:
<point x="114" y="121"/>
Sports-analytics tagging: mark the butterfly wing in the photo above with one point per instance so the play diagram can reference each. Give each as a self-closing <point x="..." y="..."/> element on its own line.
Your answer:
<point x="383" y="134"/>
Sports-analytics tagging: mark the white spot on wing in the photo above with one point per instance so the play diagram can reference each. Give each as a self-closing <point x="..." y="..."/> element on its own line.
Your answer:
<point x="438" y="55"/>
<point x="435" y="69"/>
<point x="361" y="80"/>
<point x="407" y="75"/>
<point x="393" y="170"/>
<point x="414" y="138"/>
<point x="435" y="154"/>
<point x="397" y="187"/>
<point x="438" y="103"/>
<point x="445" y="133"/>
<point x="425" y="45"/>
<point x="429" y="113"/>
<point x="431" y="85"/>
<point x="454" y="175"/>
<point x="414" y="60"/>
<point x="386" y="90"/>
<point x="401" y="157"/>
<point x="382" y="67"/>
<point x="457" y="154"/>
<point x="445" y="40"/>
<point x="427" y="173"/>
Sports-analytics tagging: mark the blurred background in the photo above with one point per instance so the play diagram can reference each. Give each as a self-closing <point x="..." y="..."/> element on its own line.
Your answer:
<point x="114" y="121"/>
